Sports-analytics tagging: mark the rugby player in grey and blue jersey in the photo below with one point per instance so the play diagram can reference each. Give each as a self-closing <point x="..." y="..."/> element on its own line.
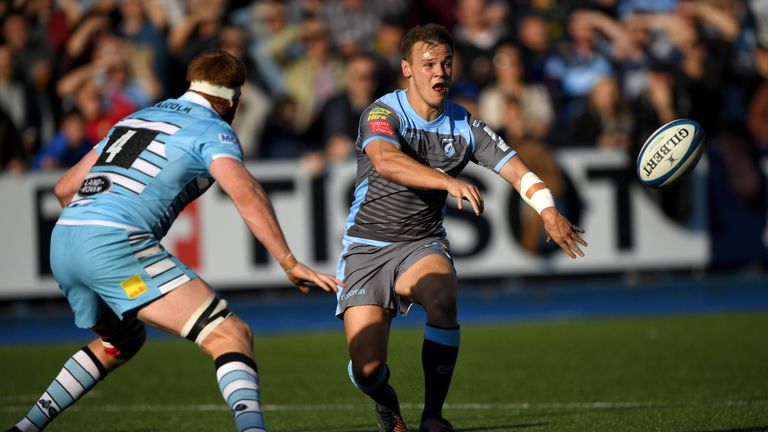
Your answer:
<point x="411" y="145"/>
<point x="120" y="200"/>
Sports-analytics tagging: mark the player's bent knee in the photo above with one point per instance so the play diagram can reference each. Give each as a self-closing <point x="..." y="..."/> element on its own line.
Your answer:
<point x="365" y="372"/>
<point x="441" y="307"/>
<point x="205" y="319"/>
<point x="127" y="341"/>
<point x="368" y="376"/>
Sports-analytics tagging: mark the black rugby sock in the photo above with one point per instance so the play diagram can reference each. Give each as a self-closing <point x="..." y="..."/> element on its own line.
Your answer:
<point x="438" y="358"/>
<point x="377" y="388"/>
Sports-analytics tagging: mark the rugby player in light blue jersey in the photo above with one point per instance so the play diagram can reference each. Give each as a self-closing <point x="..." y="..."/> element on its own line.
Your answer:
<point x="411" y="145"/>
<point x="120" y="200"/>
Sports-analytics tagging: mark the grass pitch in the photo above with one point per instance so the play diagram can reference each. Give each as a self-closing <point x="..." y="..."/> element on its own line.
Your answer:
<point x="693" y="373"/>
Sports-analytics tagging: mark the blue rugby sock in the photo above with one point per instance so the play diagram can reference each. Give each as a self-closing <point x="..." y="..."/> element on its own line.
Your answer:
<point x="80" y="374"/>
<point x="438" y="358"/>
<point x="238" y="380"/>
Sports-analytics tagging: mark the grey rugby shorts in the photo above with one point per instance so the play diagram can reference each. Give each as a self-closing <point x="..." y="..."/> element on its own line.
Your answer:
<point x="370" y="272"/>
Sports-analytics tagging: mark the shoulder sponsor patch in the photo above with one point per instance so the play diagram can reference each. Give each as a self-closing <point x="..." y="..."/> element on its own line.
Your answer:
<point x="228" y="139"/>
<point x="381" y="126"/>
<point x="378" y="113"/>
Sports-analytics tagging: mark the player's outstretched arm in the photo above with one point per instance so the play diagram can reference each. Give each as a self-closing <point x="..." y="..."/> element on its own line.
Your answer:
<point x="534" y="192"/>
<point x="256" y="210"/>
<point x="70" y="182"/>
<point x="396" y="166"/>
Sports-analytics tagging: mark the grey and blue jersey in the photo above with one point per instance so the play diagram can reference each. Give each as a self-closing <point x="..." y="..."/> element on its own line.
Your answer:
<point x="385" y="212"/>
<point x="151" y="165"/>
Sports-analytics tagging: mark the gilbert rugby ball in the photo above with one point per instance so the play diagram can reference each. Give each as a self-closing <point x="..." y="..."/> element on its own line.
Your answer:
<point x="670" y="153"/>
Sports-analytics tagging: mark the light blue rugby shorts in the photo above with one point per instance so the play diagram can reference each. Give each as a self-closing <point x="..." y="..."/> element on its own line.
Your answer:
<point x="98" y="266"/>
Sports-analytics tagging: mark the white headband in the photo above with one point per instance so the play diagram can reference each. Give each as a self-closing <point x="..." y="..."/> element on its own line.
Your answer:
<point x="214" y="90"/>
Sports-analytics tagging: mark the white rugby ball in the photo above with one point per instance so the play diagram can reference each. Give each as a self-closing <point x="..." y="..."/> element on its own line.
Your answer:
<point x="670" y="153"/>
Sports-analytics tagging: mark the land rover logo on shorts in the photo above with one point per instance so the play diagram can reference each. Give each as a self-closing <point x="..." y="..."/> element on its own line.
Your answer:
<point x="95" y="185"/>
<point x="448" y="147"/>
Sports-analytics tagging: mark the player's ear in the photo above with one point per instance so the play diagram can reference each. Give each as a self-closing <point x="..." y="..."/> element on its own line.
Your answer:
<point x="406" y="67"/>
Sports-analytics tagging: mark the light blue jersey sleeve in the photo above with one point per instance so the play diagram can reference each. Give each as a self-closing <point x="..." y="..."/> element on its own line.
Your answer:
<point x="216" y="142"/>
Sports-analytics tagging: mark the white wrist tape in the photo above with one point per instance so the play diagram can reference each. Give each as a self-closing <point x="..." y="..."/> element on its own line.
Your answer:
<point x="540" y="199"/>
<point x="213" y="90"/>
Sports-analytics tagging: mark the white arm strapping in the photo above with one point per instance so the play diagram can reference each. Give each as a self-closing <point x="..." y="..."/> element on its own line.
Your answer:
<point x="540" y="199"/>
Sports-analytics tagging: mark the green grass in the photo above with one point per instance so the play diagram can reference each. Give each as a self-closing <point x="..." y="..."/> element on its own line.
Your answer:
<point x="695" y="373"/>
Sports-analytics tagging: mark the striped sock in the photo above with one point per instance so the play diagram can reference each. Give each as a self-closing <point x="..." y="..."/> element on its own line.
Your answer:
<point x="80" y="373"/>
<point x="238" y="381"/>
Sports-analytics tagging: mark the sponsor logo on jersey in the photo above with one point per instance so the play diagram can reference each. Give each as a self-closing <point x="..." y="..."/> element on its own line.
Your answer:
<point x="448" y="148"/>
<point x="477" y="123"/>
<point x="228" y="139"/>
<point x="378" y="114"/>
<point x="95" y="185"/>
<point x="381" y="126"/>
<point x="134" y="286"/>
<point x="354" y="292"/>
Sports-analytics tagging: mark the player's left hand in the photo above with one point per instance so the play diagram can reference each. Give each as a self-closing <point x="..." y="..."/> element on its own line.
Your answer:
<point x="563" y="232"/>
<point x="305" y="278"/>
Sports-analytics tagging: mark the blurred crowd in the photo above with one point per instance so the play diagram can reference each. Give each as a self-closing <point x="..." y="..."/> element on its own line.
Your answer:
<point x="545" y="74"/>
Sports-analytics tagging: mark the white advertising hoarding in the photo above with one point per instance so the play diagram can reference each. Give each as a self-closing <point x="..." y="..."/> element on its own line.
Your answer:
<point x="625" y="229"/>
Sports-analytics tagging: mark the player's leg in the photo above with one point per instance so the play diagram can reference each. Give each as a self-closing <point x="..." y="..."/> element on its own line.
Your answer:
<point x="193" y="311"/>
<point x="367" y="331"/>
<point x="118" y="342"/>
<point x="431" y="282"/>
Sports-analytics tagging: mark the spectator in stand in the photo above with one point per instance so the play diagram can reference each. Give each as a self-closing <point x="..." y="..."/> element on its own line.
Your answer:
<point x="605" y="121"/>
<point x="576" y="67"/>
<point x="510" y="80"/>
<point x="67" y="147"/>
<point x="475" y="38"/>
<point x="31" y="60"/>
<point x="352" y="24"/>
<point x="387" y="49"/>
<point x="143" y="23"/>
<point x="339" y="116"/>
<point x="123" y="73"/>
<point x="49" y="23"/>
<point x="255" y="104"/>
<point x="275" y="42"/>
<point x="99" y="113"/>
<point x="79" y="48"/>
<point x="13" y="91"/>
<point x="197" y="31"/>
<point x="312" y="79"/>
<point x="27" y="48"/>
<point x="12" y="157"/>
<point x="534" y="41"/>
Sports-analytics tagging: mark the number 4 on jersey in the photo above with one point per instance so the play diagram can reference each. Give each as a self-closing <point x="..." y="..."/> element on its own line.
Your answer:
<point x="125" y="145"/>
<point x="115" y="148"/>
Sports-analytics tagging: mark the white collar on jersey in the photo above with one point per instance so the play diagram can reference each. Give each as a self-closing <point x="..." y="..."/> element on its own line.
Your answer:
<point x="196" y="98"/>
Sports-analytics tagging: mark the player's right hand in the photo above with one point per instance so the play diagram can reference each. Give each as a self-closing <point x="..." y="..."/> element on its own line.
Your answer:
<point x="305" y="278"/>
<point x="465" y="191"/>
